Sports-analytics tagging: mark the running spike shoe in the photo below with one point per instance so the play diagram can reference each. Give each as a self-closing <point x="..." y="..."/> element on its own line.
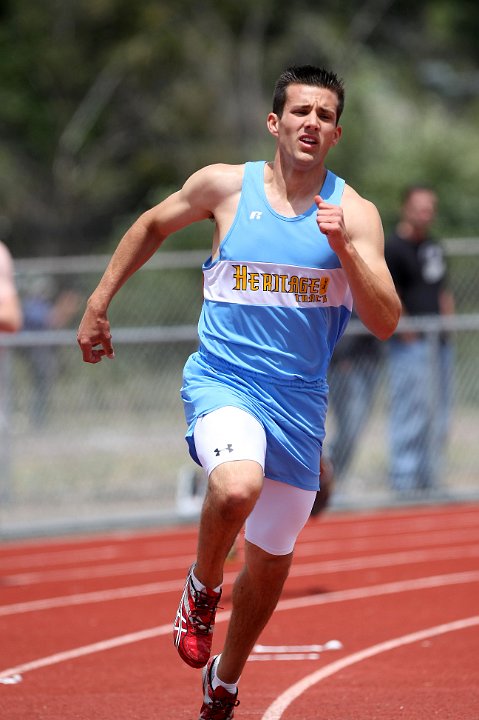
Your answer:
<point x="194" y="623"/>
<point x="218" y="704"/>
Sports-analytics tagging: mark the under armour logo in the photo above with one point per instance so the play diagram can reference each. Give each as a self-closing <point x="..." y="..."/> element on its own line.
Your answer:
<point x="229" y="447"/>
<point x="255" y="215"/>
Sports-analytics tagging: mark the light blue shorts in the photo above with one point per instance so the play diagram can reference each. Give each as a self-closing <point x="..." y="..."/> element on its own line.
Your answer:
<point x="293" y="414"/>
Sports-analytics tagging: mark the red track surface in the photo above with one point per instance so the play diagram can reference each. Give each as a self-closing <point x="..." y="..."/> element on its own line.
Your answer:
<point x="87" y="622"/>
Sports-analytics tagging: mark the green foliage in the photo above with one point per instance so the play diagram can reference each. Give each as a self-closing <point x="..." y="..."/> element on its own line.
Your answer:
<point x="105" y="105"/>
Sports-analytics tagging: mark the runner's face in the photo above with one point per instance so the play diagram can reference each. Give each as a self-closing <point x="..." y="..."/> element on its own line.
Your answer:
<point x="307" y="128"/>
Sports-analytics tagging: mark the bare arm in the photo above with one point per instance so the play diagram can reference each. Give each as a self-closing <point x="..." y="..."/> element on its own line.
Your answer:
<point x="196" y="201"/>
<point x="10" y="314"/>
<point x="446" y="302"/>
<point x="355" y="234"/>
<point x="10" y="309"/>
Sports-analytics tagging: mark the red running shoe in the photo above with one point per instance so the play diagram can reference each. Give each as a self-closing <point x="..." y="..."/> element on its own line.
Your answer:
<point x="194" y="623"/>
<point x="218" y="704"/>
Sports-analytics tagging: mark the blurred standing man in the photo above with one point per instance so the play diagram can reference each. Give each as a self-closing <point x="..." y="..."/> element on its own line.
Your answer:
<point x="420" y="364"/>
<point x="352" y="378"/>
<point x="293" y="245"/>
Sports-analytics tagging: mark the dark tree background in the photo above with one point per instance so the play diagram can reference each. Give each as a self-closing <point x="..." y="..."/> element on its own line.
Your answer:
<point x="107" y="105"/>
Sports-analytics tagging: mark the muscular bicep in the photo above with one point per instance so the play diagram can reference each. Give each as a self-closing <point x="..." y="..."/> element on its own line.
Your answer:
<point x="188" y="205"/>
<point x="199" y="198"/>
<point x="374" y="295"/>
<point x="367" y="234"/>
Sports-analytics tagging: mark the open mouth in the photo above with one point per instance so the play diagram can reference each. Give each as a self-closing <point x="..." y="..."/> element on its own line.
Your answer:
<point x="308" y="140"/>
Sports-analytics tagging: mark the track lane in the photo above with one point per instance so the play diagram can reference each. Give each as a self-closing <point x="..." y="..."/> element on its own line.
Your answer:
<point x="126" y="674"/>
<point x="397" y="696"/>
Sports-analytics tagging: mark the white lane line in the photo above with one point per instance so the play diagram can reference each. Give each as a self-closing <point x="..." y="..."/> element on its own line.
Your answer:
<point x="11" y="680"/>
<point x="65" y="555"/>
<point x="391" y="588"/>
<point x="440" y="538"/>
<point x="292" y="652"/>
<point x="114" y="544"/>
<point x="329" y="566"/>
<point x="384" y="528"/>
<point x="97" y="596"/>
<point x="386" y="560"/>
<point x="308" y="601"/>
<point x="390" y="521"/>
<point x="329" y="645"/>
<point x="59" y="557"/>
<point x="134" y="567"/>
<point x="277" y="708"/>
<point x="79" y="652"/>
<point x="273" y="657"/>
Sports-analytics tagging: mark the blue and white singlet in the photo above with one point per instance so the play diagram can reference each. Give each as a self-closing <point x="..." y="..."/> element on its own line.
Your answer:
<point x="276" y="302"/>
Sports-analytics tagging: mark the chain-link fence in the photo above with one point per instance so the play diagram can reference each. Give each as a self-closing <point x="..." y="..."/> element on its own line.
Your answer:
<point x="85" y="446"/>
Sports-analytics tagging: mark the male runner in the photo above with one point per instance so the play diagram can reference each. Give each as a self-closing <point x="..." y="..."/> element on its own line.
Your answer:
<point x="293" y="248"/>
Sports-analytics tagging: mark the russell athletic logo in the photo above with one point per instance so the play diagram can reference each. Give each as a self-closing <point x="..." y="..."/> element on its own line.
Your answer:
<point x="255" y="215"/>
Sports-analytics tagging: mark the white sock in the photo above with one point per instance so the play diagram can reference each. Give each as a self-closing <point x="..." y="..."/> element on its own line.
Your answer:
<point x="199" y="585"/>
<point x="215" y="681"/>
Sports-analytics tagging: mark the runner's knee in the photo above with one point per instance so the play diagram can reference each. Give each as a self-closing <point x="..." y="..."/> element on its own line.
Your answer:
<point x="267" y="565"/>
<point x="234" y="487"/>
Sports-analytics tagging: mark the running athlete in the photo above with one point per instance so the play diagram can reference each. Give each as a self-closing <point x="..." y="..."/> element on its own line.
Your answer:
<point x="293" y="248"/>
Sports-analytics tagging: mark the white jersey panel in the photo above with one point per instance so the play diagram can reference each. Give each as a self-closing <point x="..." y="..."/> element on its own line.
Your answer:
<point x="273" y="285"/>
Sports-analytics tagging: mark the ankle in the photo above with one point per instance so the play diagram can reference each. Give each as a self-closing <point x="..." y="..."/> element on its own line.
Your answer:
<point x="199" y="586"/>
<point x="217" y="681"/>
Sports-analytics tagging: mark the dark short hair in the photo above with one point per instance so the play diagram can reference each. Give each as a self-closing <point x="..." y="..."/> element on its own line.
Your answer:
<point x="307" y="75"/>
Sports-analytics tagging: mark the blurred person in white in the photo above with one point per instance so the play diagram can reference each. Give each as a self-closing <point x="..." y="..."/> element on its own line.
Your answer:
<point x="420" y="363"/>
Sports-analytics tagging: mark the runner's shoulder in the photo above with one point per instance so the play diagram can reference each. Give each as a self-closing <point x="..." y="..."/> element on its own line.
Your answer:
<point x="219" y="179"/>
<point x="358" y="210"/>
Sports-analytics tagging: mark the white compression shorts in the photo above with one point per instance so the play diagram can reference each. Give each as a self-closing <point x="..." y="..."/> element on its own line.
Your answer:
<point x="281" y="510"/>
